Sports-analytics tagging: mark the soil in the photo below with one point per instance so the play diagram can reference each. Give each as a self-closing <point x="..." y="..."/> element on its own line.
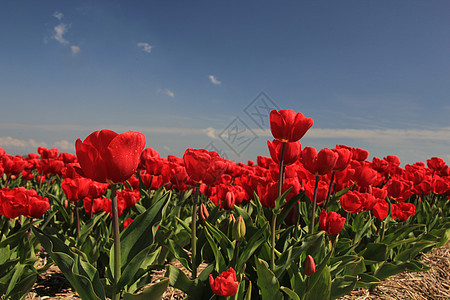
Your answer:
<point x="433" y="284"/>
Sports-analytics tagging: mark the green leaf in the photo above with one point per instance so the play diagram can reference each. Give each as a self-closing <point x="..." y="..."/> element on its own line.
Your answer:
<point x="287" y="208"/>
<point x="141" y="232"/>
<point x="154" y="291"/>
<point x="389" y="269"/>
<point x="193" y="288"/>
<point x="341" y="286"/>
<point x="223" y="240"/>
<point x="292" y="295"/>
<point x="280" y="201"/>
<point x="320" y="285"/>
<point x="220" y="261"/>
<point x="267" y="282"/>
<point x="18" y="270"/>
<point x="413" y="251"/>
<point x="367" y="281"/>
<point x="82" y="276"/>
<point x="374" y="253"/>
<point x="253" y="244"/>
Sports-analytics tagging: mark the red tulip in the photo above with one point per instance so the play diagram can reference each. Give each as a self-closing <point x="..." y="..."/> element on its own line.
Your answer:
<point x="204" y="166"/>
<point x="331" y="222"/>
<point x="225" y="284"/>
<point x="288" y="126"/>
<point x="291" y="152"/>
<point x="318" y="163"/>
<point x="108" y="157"/>
<point x="352" y="202"/>
<point x="76" y="189"/>
<point x="381" y="209"/>
<point x="309" y="266"/>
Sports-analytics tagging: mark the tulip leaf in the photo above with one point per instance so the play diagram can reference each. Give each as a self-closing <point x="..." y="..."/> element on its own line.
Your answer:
<point x="292" y="295"/>
<point x="177" y="279"/>
<point x="367" y="281"/>
<point x="287" y="208"/>
<point x="155" y="291"/>
<point x="223" y="240"/>
<point x="341" y="286"/>
<point x="180" y="254"/>
<point x="267" y="282"/>
<point x="374" y="253"/>
<point x="320" y="285"/>
<point x="389" y="269"/>
<point x="413" y="251"/>
<point x="253" y="244"/>
<point x="83" y="277"/>
<point x="280" y="201"/>
<point x="220" y="261"/>
<point x="141" y="232"/>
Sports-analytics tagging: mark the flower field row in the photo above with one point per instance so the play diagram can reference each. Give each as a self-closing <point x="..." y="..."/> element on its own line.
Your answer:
<point x="300" y="224"/>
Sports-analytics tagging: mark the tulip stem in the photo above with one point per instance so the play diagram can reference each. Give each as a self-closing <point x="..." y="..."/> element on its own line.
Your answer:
<point x="313" y="213"/>
<point x="194" y="233"/>
<point x="329" y="190"/>
<point x="117" y="261"/>
<point x="78" y="219"/>
<point x="274" y="215"/>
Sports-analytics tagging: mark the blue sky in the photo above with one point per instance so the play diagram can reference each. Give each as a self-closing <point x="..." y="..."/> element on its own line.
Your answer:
<point x="196" y="74"/>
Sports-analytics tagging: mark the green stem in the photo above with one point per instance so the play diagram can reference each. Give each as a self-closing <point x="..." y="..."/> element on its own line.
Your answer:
<point x="194" y="233"/>
<point x="329" y="190"/>
<point x="117" y="260"/>
<point x="274" y="215"/>
<point x="78" y="219"/>
<point x="313" y="213"/>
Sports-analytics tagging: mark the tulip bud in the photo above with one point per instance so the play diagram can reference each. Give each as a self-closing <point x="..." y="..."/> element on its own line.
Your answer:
<point x="66" y="203"/>
<point x="239" y="228"/>
<point x="229" y="201"/>
<point x="309" y="266"/>
<point x="203" y="214"/>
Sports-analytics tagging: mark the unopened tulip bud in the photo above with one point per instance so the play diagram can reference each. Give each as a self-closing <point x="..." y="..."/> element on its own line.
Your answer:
<point x="309" y="266"/>
<point x="239" y="228"/>
<point x="66" y="203"/>
<point x="229" y="201"/>
<point x="203" y="214"/>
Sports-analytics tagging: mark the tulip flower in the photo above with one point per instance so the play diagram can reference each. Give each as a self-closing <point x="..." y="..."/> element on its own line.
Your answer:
<point x="331" y="222"/>
<point x="225" y="284"/>
<point x="288" y="126"/>
<point x="204" y="166"/>
<point x="291" y="153"/>
<point x="319" y="163"/>
<point x="108" y="157"/>
<point x="309" y="266"/>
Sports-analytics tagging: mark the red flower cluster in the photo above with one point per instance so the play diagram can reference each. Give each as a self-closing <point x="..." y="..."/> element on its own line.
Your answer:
<point x="20" y="201"/>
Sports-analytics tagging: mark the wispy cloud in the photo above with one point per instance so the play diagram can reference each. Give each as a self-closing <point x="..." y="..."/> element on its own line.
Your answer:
<point x="214" y="80"/>
<point x="167" y="92"/>
<point x="58" y="15"/>
<point x="75" y="49"/>
<point x="211" y="132"/>
<point x="18" y="143"/>
<point x="145" y="46"/>
<point x="59" y="31"/>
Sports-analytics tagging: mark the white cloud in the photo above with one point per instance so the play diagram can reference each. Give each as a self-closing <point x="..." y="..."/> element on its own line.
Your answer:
<point x="64" y="145"/>
<point x="145" y="46"/>
<point x="167" y="92"/>
<point x="60" y="30"/>
<point x="12" y="142"/>
<point x="210" y="132"/>
<point x="75" y="49"/>
<point x="214" y="80"/>
<point x="58" y="15"/>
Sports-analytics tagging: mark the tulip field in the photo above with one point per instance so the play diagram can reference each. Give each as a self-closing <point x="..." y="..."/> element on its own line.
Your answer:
<point x="300" y="224"/>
